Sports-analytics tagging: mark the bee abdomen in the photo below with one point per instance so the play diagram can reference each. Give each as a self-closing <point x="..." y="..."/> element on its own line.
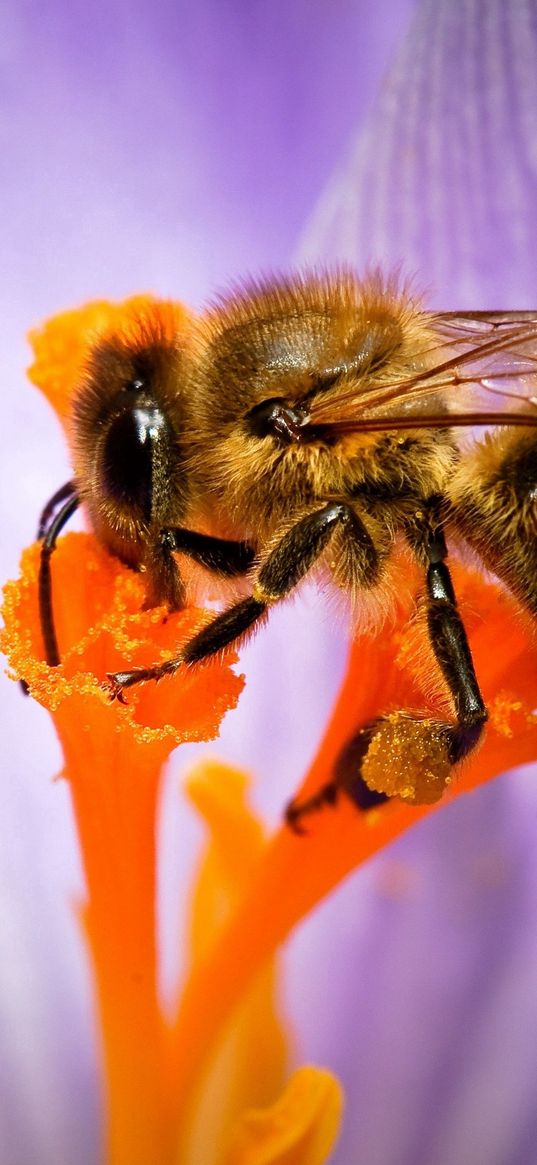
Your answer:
<point x="493" y="504"/>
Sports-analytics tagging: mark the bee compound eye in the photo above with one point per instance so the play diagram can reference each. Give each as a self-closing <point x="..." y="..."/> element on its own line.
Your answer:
<point x="129" y="455"/>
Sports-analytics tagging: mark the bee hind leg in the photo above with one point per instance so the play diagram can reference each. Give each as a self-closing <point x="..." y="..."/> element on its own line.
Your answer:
<point x="347" y="778"/>
<point x="452" y="650"/>
<point x="401" y="754"/>
<point x="410" y="756"/>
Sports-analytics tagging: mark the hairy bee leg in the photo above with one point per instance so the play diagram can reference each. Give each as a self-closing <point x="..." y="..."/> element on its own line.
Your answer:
<point x="346" y="778"/>
<point x="285" y="566"/>
<point x="62" y="494"/>
<point x="452" y="650"/>
<point x="48" y="546"/>
<point x="411" y="756"/>
<point x="215" y="554"/>
<point x="165" y="584"/>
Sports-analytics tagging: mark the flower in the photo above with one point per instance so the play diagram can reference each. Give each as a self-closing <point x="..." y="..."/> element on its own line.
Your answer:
<point x="167" y="1094"/>
<point x="156" y="1076"/>
<point x="383" y="672"/>
<point x="113" y="760"/>
<point x="416" y="983"/>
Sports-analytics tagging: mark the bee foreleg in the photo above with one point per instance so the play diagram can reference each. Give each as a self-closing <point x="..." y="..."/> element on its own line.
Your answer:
<point x="286" y="565"/>
<point x="48" y="546"/>
<point x="67" y="493"/>
<point x="164" y="582"/>
<point x="215" y="554"/>
<point x="61" y="495"/>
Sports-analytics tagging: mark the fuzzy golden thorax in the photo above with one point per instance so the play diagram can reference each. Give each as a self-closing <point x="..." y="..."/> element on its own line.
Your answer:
<point x="324" y="346"/>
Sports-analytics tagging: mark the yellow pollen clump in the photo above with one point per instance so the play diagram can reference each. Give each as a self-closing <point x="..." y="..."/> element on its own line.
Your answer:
<point x="502" y="712"/>
<point x="409" y="759"/>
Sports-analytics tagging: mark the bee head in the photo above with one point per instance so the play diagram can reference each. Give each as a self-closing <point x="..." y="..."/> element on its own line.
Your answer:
<point x="129" y="427"/>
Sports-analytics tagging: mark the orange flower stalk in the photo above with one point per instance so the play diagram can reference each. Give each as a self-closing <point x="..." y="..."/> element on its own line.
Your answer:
<point x="113" y="761"/>
<point x="114" y="757"/>
<point x="173" y="1092"/>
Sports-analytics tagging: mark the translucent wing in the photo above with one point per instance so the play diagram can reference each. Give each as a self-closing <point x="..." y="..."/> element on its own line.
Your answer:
<point x="480" y="369"/>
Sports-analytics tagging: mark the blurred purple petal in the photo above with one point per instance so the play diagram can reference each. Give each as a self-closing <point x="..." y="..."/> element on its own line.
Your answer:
<point x="423" y="995"/>
<point x="442" y="178"/>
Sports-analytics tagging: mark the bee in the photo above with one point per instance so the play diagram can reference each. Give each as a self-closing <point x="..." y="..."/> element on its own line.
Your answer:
<point x="311" y="425"/>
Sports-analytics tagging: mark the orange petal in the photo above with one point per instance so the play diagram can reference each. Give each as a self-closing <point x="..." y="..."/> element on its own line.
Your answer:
<point x="113" y="761"/>
<point x="101" y="627"/>
<point x="246" y="1069"/>
<point x="300" y="1129"/>
<point x="61" y="346"/>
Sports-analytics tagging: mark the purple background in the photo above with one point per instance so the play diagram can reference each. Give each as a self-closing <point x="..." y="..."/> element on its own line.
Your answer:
<point x="171" y="147"/>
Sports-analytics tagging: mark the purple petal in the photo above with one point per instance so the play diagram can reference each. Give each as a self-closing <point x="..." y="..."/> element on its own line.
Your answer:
<point x="442" y="178"/>
<point x="423" y="994"/>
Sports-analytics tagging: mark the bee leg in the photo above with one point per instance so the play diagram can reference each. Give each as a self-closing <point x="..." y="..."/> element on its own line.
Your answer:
<point x="400" y="754"/>
<point x="347" y="777"/>
<point x="452" y="650"/>
<point x="48" y="546"/>
<point x="65" y="491"/>
<point x="286" y="565"/>
<point x="296" y="810"/>
<point x="216" y="554"/>
<point x="411" y="756"/>
<point x="165" y="584"/>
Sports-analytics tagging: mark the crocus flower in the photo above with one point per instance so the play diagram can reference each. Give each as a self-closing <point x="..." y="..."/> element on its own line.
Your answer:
<point x="113" y="760"/>
<point x="167" y="1097"/>
<point x="418" y="978"/>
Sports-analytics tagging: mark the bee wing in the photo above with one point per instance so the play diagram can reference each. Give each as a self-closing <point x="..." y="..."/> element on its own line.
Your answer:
<point x="481" y="369"/>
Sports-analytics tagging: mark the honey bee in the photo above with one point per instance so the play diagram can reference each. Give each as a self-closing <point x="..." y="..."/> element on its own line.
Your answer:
<point x="305" y="425"/>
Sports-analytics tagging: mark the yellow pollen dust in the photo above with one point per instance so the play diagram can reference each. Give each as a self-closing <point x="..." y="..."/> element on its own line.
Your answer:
<point x="409" y="759"/>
